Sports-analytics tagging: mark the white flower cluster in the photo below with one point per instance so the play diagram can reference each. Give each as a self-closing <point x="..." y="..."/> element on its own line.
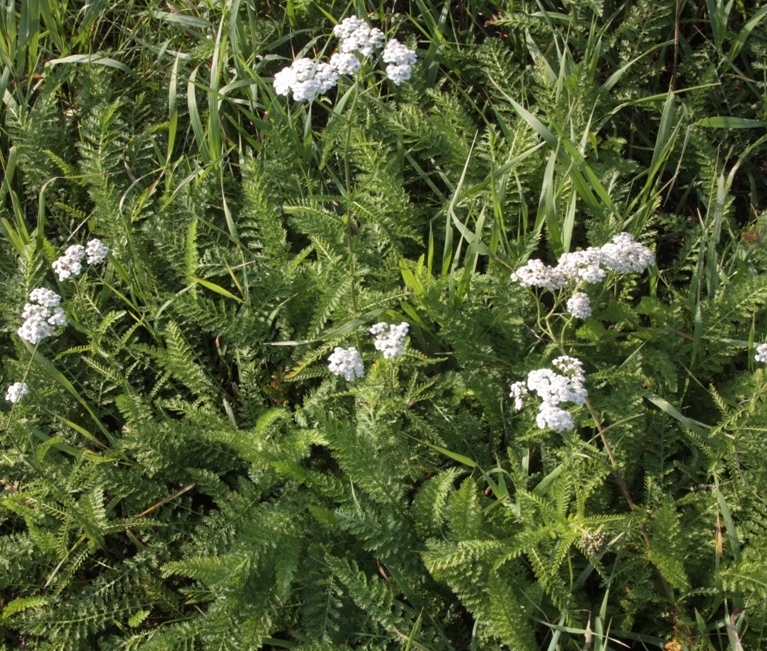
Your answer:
<point x="307" y="79"/>
<point x="16" y="392"/>
<point x="579" y="305"/>
<point x="401" y="60"/>
<point x="626" y="256"/>
<point x="346" y="362"/>
<point x="623" y="254"/>
<point x="96" y="251"/>
<point x="390" y="339"/>
<point x="70" y="264"/>
<point x="761" y="353"/>
<point x="553" y="389"/>
<point x="356" y="36"/>
<point x="41" y="316"/>
<point x="345" y="63"/>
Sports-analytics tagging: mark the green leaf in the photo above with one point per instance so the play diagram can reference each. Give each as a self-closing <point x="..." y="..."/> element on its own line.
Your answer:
<point x="725" y="122"/>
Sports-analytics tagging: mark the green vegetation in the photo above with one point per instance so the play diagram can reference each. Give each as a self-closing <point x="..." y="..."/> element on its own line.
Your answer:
<point x="186" y="473"/>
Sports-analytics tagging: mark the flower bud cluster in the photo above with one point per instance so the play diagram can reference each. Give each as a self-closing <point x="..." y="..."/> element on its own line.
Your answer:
<point x="41" y="316"/>
<point x="390" y="339"/>
<point x="761" y="353"/>
<point x="623" y="254"/>
<point x="70" y="264"/>
<point x="346" y="362"/>
<point x="306" y="79"/>
<point x="401" y="60"/>
<point x="553" y="389"/>
<point x="16" y="392"/>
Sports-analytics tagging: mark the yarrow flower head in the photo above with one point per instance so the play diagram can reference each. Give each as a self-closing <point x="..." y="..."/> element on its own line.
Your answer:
<point x="537" y="274"/>
<point x="96" y="251"/>
<point x="553" y="389"/>
<point x="41" y="316"/>
<point x="305" y="79"/>
<point x="579" y="305"/>
<point x="401" y="60"/>
<point x="346" y="362"/>
<point x="70" y="264"/>
<point x="345" y="63"/>
<point x="582" y="265"/>
<point x="390" y="339"/>
<point x="16" y="392"/>
<point x="625" y="255"/>
<point x="761" y="353"/>
<point x="357" y="36"/>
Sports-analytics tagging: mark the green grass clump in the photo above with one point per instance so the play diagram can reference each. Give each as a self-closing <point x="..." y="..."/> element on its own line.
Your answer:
<point x="185" y="472"/>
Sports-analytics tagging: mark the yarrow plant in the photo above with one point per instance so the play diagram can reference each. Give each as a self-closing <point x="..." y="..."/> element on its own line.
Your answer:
<point x="306" y="79"/>
<point x="579" y="305"/>
<point x="401" y="60"/>
<point x="346" y="362"/>
<point x="16" y="392"/>
<point x="41" y="316"/>
<point x="70" y="264"/>
<point x="761" y="353"/>
<point x="390" y="339"/>
<point x="356" y="36"/>
<point x="553" y="389"/>
<point x="623" y="255"/>
<point x="96" y="251"/>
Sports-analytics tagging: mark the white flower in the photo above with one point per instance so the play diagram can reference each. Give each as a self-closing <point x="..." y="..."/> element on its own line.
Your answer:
<point x="346" y="362"/>
<point x="16" y="392"/>
<point x="400" y="59"/>
<point x="284" y="80"/>
<point x="306" y="79"/>
<point x="58" y="318"/>
<point x="32" y="311"/>
<point x="519" y="392"/>
<point x="41" y="316"/>
<point x="69" y="264"/>
<point x="398" y="54"/>
<point x="45" y="297"/>
<point x="579" y="306"/>
<point x="390" y="339"/>
<point x="553" y="389"/>
<point x="761" y="353"/>
<point x="306" y="91"/>
<point x="536" y="274"/>
<point x="625" y="255"/>
<point x="345" y="63"/>
<point x="327" y="76"/>
<point x="356" y="36"/>
<point x="552" y="417"/>
<point x="570" y="366"/>
<point x="582" y="265"/>
<point x="96" y="251"/>
<point x="35" y="330"/>
<point x="398" y="74"/>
